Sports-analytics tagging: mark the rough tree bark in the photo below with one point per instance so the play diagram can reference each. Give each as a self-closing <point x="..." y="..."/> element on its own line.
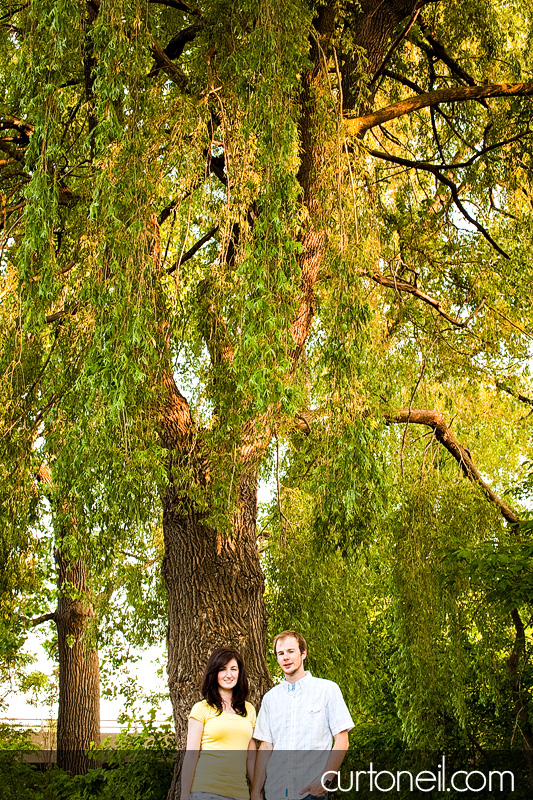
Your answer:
<point x="213" y="577"/>
<point x="215" y="593"/>
<point x="78" y="719"/>
<point x="78" y="716"/>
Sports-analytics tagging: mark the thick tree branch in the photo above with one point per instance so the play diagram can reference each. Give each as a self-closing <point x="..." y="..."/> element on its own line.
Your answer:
<point x="180" y="5"/>
<point x="443" y="434"/>
<point x="358" y="126"/>
<point x="52" y="617"/>
<point x="394" y="46"/>
<point x="311" y="175"/>
<point x="395" y="76"/>
<point x="65" y="312"/>
<point x="193" y="250"/>
<point x="175" y="47"/>
<point x="435" y="170"/>
<point x="399" y="285"/>
<point x="165" y="64"/>
<point x="9" y="123"/>
<point x="438" y="49"/>
<point x="176" y="419"/>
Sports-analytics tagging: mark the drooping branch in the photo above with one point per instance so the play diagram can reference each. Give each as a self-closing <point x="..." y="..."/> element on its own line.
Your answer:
<point x="522" y="398"/>
<point x="11" y="13"/>
<point x="444" y="435"/>
<point x="358" y="126"/>
<point x="522" y="720"/>
<point x="454" y="191"/>
<point x="400" y="285"/>
<point x="89" y="65"/>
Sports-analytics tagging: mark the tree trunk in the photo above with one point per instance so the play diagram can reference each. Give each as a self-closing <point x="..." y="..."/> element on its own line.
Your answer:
<point x="78" y="721"/>
<point x="78" y="716"/>
<point x="213" y="579"/>
<point x="519" y="692"/>
<point x="215" y="588"/>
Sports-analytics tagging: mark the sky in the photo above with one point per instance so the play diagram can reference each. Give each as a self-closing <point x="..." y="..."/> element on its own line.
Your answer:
<point x="144" y="670"/>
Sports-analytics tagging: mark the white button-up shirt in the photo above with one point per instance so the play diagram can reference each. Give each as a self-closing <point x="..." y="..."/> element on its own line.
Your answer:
<point x="301" y="720"/>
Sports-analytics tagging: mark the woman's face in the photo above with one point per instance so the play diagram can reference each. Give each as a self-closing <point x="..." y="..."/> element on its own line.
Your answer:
<point x="228" y="675"/>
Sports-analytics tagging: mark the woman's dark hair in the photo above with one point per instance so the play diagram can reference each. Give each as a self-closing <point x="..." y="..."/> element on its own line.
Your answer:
<point x="217" y="661"/>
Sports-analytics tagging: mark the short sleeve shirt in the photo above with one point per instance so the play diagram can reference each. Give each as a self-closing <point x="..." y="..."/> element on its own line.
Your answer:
<point x="303" y="717"/>
<point x="221" y="765"/>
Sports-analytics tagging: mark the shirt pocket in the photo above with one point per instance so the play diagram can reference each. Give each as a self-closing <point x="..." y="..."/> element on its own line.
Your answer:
<point x="312" y="710"/>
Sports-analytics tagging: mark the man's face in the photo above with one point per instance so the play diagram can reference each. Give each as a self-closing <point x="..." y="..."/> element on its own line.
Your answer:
<point x="288" y="655"/>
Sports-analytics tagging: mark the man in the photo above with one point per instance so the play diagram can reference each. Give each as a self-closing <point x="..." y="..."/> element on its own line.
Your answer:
<point x="297" y="723"/>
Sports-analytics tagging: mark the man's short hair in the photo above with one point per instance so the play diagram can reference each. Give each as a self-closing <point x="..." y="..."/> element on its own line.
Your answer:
<point x="302" y="644"/>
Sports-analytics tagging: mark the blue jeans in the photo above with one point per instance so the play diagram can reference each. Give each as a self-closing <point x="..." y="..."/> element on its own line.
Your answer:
<point x="208" y="796"/>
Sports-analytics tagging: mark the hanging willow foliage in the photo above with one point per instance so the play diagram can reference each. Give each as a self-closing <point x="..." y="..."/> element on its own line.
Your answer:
<point x="232" y="224"/>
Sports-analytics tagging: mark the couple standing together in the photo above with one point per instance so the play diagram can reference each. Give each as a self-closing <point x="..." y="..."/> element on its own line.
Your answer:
<point x="298" y="721"/>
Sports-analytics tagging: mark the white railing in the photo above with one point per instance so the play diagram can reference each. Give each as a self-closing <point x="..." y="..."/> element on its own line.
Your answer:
<point x="43" y="728"/>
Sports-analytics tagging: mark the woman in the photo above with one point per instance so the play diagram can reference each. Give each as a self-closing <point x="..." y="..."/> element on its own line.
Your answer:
<point x="220" y="747"/>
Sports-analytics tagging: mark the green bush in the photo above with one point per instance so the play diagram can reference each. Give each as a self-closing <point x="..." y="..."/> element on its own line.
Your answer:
<point x="138" y="767"/>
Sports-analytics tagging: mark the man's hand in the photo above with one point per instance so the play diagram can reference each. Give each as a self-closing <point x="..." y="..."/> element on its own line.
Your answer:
<point x="315" y="788"/>
<point x="338" y="751"/>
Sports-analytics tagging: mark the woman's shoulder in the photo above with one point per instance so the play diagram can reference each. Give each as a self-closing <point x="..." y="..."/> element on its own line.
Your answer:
<point x="250" y="710"/>
<point x="203" y="711"/>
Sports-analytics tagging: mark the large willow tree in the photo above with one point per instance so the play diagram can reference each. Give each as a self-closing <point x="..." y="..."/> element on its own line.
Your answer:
<point x="204" y="207"/>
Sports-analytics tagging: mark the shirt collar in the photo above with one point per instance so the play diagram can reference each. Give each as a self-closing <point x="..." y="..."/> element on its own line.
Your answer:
<point x="299" y="685"/>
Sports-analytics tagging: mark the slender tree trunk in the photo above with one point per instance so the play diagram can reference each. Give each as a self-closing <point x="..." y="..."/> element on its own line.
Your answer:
<point x="519" y="692"/>
<point x="78" y="721"/>
<point x="78" y="717"/>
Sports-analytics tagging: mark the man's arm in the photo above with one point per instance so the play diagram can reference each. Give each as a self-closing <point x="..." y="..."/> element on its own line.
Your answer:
<point x="261" y="761"/>
<point x="336" y="757"/>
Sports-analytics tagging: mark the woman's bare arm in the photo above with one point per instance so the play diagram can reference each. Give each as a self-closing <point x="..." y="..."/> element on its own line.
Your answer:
<point x="195" y="730"/>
